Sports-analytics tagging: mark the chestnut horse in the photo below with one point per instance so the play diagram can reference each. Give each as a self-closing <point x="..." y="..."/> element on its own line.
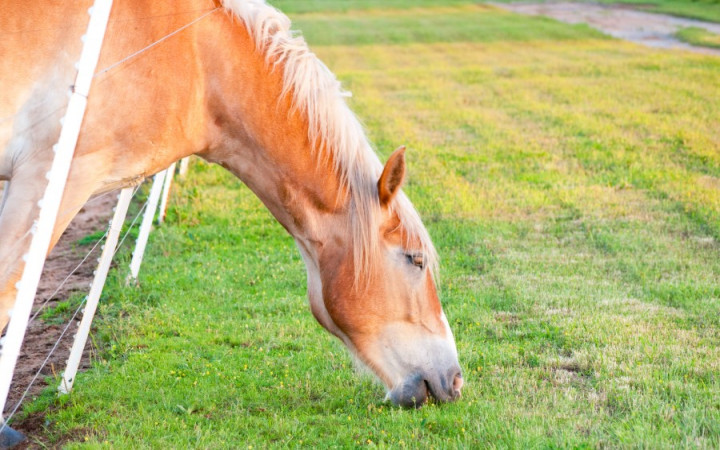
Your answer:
<point x="228" y="81"/>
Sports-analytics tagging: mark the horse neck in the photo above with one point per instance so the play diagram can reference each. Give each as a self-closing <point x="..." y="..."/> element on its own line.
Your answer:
<point x="254" y="131"/>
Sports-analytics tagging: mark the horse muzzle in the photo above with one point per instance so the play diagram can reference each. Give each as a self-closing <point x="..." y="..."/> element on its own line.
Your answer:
<point x="415" y="389"/>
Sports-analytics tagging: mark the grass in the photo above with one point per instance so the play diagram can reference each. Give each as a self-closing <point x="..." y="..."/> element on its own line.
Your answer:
<point x="310" y="6"/>
<point x="698" y="36"/>
<point x="433" y="25"/>
<point x="572" y="186"/>
<point x="63" y="311"/>
<point x="708" y="10"/>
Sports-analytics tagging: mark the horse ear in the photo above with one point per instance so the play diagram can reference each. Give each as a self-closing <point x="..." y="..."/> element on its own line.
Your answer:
<point x="392" y="176"/>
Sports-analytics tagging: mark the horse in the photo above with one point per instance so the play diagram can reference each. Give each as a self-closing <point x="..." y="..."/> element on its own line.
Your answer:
<point x="230" y="82"/>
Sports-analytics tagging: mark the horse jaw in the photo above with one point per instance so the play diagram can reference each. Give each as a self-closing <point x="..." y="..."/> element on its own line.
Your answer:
<point x="315" y="297"/>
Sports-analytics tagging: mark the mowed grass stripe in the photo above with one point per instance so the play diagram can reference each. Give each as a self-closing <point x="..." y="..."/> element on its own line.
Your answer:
<point x="475" y="23"/>
<point x="708" y="10"/>
<point x="512" y="137"/>
<point x="615" y="130"/>
<point x="580" y="289"/>
<point x="297" y="7"/>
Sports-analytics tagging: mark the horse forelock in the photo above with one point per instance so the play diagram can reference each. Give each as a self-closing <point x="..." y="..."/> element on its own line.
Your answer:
<point x="333" y="129"/>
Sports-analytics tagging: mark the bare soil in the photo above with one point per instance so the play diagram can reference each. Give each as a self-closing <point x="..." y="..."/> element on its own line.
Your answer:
<point x="621" y="21"/>
<point x="41" y="336"/>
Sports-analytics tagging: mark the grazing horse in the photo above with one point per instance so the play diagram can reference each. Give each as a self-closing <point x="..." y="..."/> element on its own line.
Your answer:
<point x="228" y="81"/>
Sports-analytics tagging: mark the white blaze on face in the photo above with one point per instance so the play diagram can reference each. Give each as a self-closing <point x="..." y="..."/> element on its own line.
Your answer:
<point x="405" y="349"/>
<point x="449" y="334"/>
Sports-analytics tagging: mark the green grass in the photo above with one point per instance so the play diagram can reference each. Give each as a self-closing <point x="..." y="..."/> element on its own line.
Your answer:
<point x="698" y="36"/>
<point x="63" y="311"/>
<point x="431" y="25"/>
<point x="708" y="10"/>
<point x="92" y="238"/>
<point x="307" y="6"/>
<point x="572" y="187"/>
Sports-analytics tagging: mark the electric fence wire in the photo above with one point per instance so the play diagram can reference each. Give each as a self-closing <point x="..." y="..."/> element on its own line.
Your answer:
<point x="115" y="22"/>
<point x="38" y="122"/>
<point x="20" y="240"/>
<point x="82" y="303"/>
<point x="72" y="320"/>
<point x="101" y="239"/>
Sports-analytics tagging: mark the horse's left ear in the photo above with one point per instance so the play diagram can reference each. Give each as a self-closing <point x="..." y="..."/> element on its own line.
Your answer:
<point x="392" y="176"/>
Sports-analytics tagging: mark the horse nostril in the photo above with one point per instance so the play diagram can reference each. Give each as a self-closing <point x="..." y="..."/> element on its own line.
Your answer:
<point x="457" y="384"/>
<point x="412" y="393"/>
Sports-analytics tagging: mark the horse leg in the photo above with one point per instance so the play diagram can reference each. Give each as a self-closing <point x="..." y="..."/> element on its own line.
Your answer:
<point x="20" y="211"/>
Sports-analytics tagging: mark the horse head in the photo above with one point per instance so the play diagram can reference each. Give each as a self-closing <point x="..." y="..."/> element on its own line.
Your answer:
<point x="388" y="314"/>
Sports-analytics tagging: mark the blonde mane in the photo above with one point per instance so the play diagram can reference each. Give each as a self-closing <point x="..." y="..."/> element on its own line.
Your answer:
<point x="333" y="130"/>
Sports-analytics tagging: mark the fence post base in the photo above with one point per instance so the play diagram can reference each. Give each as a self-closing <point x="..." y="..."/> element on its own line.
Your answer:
<point x="9" y="438"/>
<point x="184" y="163"/>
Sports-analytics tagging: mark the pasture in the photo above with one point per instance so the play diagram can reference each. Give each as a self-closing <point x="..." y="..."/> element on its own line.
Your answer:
<point x="571" y="184"/>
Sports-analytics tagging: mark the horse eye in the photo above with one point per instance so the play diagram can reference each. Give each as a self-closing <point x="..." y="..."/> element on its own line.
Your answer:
<point x="416" y="260"/>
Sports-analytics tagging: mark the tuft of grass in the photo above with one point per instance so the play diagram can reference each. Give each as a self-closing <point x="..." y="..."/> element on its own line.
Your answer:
<point x="91" y="238"/>
<point x="63" y="310"/>
<point x="698" y="36"/>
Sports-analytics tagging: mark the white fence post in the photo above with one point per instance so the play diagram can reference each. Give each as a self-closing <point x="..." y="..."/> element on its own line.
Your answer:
<point x="97" y="287"/>
<point x="146" y="225"/>
<point x="166" y="192"/>
<point x="184" y="163"/>
<point x="43" y="229"/>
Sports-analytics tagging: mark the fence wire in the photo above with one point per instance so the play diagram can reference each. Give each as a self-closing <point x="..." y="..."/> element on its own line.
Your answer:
<point x="75" y="314"/>
<point x="41" y="121"/>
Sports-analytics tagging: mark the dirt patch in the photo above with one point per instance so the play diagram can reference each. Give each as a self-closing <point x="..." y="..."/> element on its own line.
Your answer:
<point x="40" y="336"/>
<point x="622" y="22"/>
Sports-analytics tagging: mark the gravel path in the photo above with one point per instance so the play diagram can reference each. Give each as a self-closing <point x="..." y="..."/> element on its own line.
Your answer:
<point x="620" y="21"/>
